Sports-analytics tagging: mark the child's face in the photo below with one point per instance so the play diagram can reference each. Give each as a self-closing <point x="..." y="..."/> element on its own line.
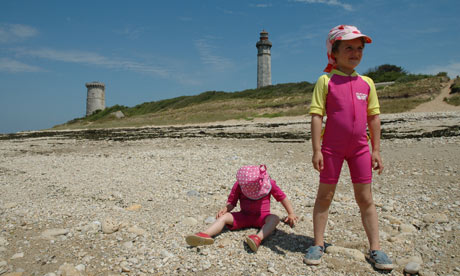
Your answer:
<point x="349" y="54"/>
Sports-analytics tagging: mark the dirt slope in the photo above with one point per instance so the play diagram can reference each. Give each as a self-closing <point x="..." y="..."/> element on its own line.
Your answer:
<point x="437" y="104"/>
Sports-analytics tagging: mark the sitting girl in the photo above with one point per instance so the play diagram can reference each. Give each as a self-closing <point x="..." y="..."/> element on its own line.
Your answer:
<point x="253" y="188"/>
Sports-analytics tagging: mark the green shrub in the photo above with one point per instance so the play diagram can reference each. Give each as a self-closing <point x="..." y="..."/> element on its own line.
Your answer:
<point x="411" y="77"/>
<point x="454" y="100"/>
<point x="455" y="87"/>
<point x="385" y="73"/>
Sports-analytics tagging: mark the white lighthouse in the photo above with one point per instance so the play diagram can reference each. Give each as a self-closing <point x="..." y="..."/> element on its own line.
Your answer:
<point x="264" y="68"/>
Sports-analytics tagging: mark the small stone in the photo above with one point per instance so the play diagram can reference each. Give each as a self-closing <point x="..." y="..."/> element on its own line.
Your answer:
<point x="17" y="256"/>
<point x="190" y="221"/>
<point x="80" y="267"/>
<point x="412" y="268"/>
<point x="53" y="233"/>
<point x="109" y="226"/>
<point x="125" y="267"/>
<point x="68" y="270"/>
<point x="210" y="220"/>
<point x="3" y="241"/>
<point x="435" y="218"/>
<point x="225" y="242"/>
<point x="193" y="193"/>
<point x="407" y="228"/>
<point x="136" y="230"/>
<point x="353" y="253"/>
<point x="134" y="207"/>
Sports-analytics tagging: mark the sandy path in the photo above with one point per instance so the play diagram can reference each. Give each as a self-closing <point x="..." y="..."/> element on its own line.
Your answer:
<point x="437" y="104"/>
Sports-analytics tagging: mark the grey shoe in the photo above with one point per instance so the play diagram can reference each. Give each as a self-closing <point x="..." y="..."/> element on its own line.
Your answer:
<point x="380" y="260"/>
<point x="314" y="254"/>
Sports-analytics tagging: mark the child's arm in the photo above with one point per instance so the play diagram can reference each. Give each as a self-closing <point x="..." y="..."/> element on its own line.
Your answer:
<point x="291" y="219"/>
<point x="225" y="210"/>
<point x="316" y="127"/>
<point x="373" y="123"/>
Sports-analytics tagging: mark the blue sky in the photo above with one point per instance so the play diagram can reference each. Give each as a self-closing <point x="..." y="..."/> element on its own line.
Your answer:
<point x="151" y="50"/>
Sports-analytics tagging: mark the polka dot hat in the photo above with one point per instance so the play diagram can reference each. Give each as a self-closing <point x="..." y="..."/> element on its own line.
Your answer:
<point x="254" y="181"/>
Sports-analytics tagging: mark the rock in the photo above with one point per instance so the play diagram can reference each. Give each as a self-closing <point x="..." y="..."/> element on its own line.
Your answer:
<point x="136" y="230"/>
<point x="80" y="267"/>
<point x="3" y="241"/>
<point x="426" y="273"/>
<point x="412" y="268"/>
<point x="190" y="221"/>
<point x="407" y="228"/>
<point x="210" y="220"/>
<point x="435" y="218"/>
<point x="224" y="242"/>
<point x="68" y="270"/>
<point x="118" y="114"/>
<point x="392" y="220"/>
<point x="193" y="193"/>
<point x="13" y="274"/>
<point x="17" y="256"/>
<point x="109" y="226"/>
<point x="134" y="207"/>
<point x="125" y="266"/>
<point x="353" y="253"/>
<point x="53" y="233"/>
<point x="412" y="259"/>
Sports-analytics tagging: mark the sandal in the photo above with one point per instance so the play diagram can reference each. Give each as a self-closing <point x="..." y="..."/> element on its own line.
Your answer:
<point x="380" y="260"/>
<point x="199" y="239"/>
<point x="253" y="241"/>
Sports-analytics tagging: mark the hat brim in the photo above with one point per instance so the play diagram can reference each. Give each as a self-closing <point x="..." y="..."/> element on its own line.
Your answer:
<point x="351" y="36"/>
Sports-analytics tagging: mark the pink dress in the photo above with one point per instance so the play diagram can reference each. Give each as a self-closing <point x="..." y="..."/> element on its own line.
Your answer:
<point x="253" y="212"/>
<point x="347" y="101"/>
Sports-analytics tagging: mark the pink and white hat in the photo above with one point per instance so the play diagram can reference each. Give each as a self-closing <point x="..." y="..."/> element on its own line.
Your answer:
<point x="341" y="32"/>
<point x="254" y="181"/>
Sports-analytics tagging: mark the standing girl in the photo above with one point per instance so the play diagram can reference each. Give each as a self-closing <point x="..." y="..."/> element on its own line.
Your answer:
<point x="350" y="103"/>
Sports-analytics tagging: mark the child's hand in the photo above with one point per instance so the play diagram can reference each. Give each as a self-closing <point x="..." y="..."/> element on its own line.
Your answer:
<point x="221" y="212"/>
<point x="291" y="219"/>
<point x="317" y="160"/>
<point x="377" y="163"/>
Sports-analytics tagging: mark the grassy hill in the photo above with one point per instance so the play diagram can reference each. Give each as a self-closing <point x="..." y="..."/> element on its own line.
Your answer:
<point x="289" y="99"/>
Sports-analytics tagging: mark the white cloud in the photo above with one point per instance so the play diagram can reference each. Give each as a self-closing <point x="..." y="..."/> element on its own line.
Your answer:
<point x="206" y="51"/>
<point x="347" y="7"/>
<point x="131" y="32"/>
<point x="14" y="66"/>
<point x="81" y="57"/>
<point x="16" y="32"/>
<point x="262" y="5"/>
<point x="452" y="69"/>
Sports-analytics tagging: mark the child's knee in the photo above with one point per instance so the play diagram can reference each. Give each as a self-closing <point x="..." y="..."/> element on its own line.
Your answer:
<point x="273" y="219"/>
<point x="324" y="200"/>
<point x="226" y="218"/>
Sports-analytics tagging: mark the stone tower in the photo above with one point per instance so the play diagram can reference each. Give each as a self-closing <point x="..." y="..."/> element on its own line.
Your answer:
<point x="96" y="97"/>
<point x="264" y="68"/>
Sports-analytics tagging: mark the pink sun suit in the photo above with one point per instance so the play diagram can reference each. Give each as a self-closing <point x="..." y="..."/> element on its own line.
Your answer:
<point x="347" y="101"/>
<point x="253" y="212"/>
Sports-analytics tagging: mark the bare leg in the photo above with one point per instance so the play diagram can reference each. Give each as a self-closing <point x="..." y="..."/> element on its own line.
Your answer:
<point x="271" y="221"/>
<point x="217" y="226"/>
<point x="321" y="211"/>
<point x="363" y="196"/>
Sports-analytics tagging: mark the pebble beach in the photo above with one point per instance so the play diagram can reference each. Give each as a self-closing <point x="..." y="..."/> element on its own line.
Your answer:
<point x="77" y="206"/>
